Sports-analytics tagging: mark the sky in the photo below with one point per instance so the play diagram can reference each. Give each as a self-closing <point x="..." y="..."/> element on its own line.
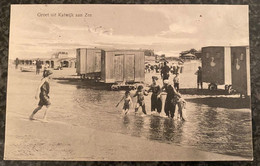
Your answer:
<point x="41" y="30"/>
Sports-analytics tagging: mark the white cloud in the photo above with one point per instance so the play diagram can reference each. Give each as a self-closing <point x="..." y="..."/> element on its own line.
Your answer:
<point x="178" y="28"/>
<point x="184" y="27"/>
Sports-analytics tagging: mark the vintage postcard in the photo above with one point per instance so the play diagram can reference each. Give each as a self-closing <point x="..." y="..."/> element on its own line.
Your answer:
<point x="129" y="83"/>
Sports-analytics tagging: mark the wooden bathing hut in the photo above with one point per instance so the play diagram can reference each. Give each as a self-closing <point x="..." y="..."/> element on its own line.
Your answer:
<point x="216" y="66"/>
<point x="125" y="66"/>
<point x="240" y="68"/>
<point x="88" y="62"/>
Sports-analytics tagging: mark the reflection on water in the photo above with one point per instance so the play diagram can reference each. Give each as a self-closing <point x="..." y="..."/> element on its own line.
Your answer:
<point x="221" y="130"/>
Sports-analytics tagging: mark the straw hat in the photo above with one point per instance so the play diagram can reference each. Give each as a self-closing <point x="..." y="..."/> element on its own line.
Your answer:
<point x="47" y="73"/>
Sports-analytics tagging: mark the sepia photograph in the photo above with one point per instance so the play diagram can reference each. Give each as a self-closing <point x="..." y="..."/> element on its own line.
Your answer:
<point x="129" y="83"/>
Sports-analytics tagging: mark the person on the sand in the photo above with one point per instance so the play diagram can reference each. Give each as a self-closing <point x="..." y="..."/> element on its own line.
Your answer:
<point x="140" y="98"/>
<point x="38" y="66"/>
<point x="16" y="63"/>
<point x="165" y="71"/>
<point x="176" y="81"/>
<point x="127" y="101"/>
<point x="152" y="68"/>
<point x="199" y="77"/>
<point x="156" y="102"/>
<point x="171" y="99"/>
<point x="43" y="93"/>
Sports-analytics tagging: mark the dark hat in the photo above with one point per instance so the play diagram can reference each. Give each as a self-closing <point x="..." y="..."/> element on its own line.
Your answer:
<point x="154" y="77"/>
<point x="140" y="87"/>
<point x="47" y="73"/>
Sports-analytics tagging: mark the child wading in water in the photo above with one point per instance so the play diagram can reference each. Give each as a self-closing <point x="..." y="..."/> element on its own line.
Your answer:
<point x="176" y="81"/>
<point x="43" y="92"/>
<point x="140" y="98"/>
<point x="127" y="101"/>
<point x="181" y="105"/>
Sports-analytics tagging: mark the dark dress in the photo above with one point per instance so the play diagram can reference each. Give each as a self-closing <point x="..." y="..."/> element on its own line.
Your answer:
<point x="156" y="102"/>
<point x="171" y="101"/>
<point x="44" y="95"/>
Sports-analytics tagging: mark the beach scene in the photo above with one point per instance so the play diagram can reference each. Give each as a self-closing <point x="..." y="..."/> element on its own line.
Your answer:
<point x="79" y="67"/>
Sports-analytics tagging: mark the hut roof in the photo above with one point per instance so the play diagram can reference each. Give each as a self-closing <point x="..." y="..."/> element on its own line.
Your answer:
<point x="188" y="56"/>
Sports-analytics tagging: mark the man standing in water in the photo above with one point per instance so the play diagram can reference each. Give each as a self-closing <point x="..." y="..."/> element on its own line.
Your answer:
<point x="165" y="71"/>
<point x="43" y="92"/>
<point x="171" y="99"/>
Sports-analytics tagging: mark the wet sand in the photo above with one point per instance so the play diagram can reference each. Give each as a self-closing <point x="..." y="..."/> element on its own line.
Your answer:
<point x="63" y="138"/>
<point x="61" y="141"/>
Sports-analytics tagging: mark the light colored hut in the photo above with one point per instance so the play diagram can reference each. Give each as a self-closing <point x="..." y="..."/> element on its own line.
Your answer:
<point x="122" y="66"/>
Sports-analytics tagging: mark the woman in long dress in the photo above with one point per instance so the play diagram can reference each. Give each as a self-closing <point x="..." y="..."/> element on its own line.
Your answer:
<point x="156" y="103"/>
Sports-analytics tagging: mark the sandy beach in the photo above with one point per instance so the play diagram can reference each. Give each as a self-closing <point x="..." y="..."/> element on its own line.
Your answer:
<point x="69" y="135"/>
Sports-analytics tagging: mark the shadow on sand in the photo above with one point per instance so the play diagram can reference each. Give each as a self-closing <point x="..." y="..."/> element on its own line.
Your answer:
<point x="223" y="102"/>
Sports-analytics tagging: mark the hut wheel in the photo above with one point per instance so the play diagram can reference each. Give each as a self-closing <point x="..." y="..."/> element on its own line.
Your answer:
<point x="114" y="87"/>
<point x="226" y="87"/>
<point x="212" y="86"/>
<point x="229" y="90"/>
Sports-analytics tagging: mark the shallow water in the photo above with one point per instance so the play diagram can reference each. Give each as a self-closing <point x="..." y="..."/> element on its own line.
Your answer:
<point x="214" y="129"/>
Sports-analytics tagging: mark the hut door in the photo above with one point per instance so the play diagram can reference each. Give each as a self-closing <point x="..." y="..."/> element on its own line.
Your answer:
<point x="98" y="62"/>
<point x="118" y="68"/>
<point x="129" y="66"/>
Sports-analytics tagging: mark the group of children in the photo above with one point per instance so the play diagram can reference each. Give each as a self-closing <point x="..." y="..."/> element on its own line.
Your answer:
<point x="140" y="93"/>
<point x="156" y="102"/>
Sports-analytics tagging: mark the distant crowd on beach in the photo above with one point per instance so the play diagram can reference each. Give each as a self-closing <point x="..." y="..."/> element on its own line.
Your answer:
<point x="174" y="68"/>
